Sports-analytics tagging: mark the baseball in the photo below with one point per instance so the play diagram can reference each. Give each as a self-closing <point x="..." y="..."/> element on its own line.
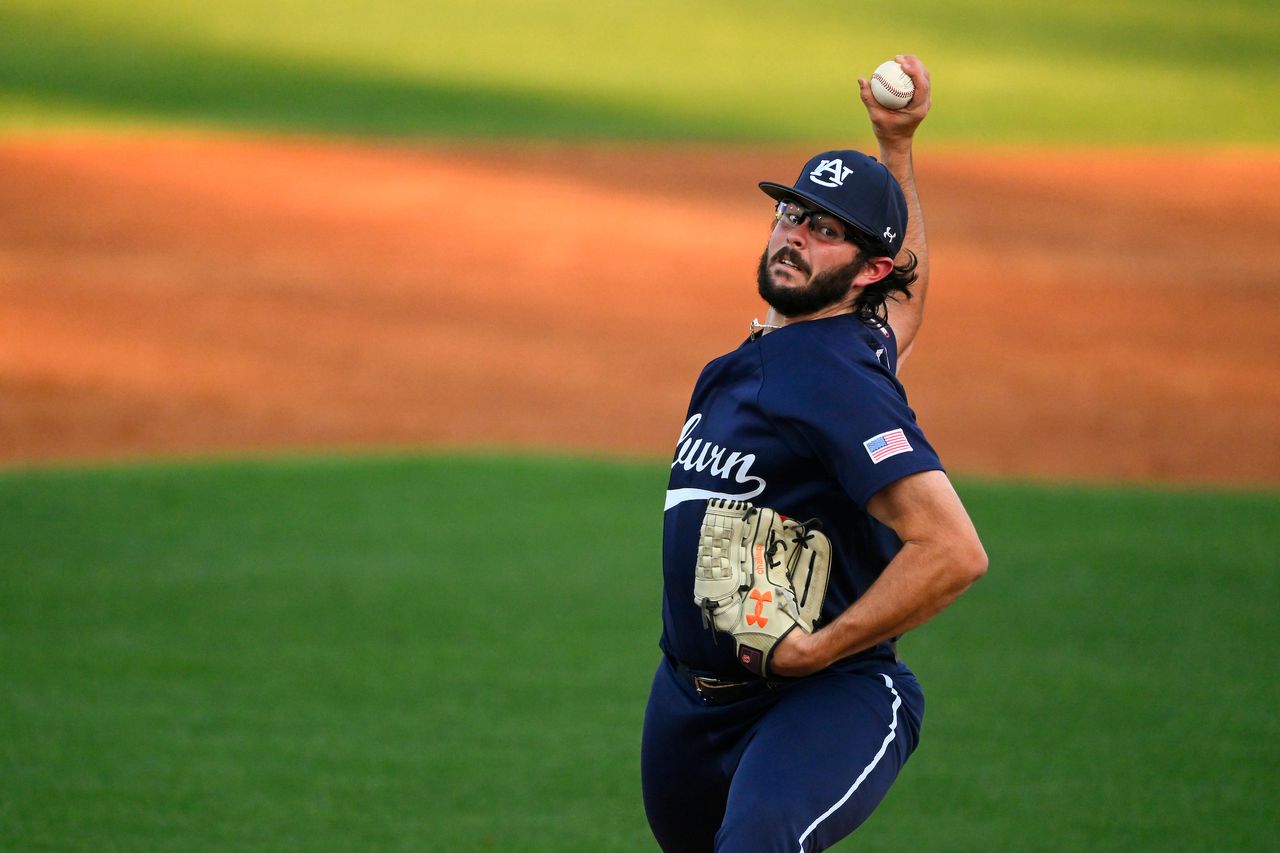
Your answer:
<point x="891" y="86"/>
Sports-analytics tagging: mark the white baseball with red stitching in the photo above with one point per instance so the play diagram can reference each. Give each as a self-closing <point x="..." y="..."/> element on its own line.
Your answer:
<point x="891" y="86"/>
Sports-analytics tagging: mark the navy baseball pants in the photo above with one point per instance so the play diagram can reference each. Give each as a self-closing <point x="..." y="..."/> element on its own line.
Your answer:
<point x="795" y="769"/>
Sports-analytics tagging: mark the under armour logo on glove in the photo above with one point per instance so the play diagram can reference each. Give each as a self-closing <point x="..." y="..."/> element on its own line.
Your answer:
<point x="756" y="618"/>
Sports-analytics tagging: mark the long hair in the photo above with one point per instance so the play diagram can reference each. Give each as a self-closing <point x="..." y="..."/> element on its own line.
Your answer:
<point x="869" y="303"/>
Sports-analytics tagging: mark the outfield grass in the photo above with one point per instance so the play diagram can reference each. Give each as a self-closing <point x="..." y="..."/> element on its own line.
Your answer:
<point x="356" y="655"/>
<point x="1085" y="71"/>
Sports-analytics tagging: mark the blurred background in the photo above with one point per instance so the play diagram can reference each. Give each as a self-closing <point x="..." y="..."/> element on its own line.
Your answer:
<point x="292" y="299"/>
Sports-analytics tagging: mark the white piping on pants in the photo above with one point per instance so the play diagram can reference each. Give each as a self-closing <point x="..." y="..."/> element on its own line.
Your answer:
<point x="866" y="771"/>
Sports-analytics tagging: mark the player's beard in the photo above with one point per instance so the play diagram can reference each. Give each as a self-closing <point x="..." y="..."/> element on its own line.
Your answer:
<point x="822" y="291"/>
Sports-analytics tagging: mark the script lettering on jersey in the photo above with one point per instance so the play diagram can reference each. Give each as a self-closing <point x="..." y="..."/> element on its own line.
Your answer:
<point x="698" y="454"/>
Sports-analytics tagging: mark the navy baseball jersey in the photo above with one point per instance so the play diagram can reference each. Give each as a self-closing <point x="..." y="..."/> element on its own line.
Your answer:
<point x="811" y="421"/>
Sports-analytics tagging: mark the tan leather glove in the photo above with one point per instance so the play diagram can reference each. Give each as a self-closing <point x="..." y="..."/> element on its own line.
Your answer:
<point x="758" y="576"/>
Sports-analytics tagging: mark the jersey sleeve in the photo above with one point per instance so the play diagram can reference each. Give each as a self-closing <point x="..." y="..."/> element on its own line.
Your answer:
<point x="848" y="412"/>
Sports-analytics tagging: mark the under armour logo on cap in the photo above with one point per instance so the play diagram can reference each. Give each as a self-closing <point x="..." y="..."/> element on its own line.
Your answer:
<point x="889" y="236"/>
<point x="839" y="171"/>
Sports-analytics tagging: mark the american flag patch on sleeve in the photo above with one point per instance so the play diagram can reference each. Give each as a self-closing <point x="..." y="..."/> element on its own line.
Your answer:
<point x="886" y="444"/>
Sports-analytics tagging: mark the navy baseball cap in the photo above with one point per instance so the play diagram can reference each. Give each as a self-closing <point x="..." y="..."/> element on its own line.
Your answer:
<point x="856" y="188"/>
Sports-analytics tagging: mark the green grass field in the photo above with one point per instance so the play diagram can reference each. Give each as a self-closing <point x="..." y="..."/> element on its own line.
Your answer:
<point x="347" y="654"/>
<point x="1098" y="72"/>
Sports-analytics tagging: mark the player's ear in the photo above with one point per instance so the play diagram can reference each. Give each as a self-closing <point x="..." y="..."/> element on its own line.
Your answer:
<point x="876" y="269"/>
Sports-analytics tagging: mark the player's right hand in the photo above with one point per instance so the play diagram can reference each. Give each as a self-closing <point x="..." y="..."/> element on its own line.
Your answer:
<point x="896" y="127"/>
<point x="798" y="654"/>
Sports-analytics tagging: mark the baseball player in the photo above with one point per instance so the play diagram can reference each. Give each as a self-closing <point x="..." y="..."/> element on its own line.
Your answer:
<point x="789" y="743"/>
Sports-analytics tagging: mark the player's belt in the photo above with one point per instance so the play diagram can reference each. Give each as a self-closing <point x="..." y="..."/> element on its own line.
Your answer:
<point x="715" y="691"/>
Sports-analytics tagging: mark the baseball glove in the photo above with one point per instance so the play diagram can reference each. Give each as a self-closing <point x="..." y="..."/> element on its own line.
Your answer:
<point x="758" y="576"/>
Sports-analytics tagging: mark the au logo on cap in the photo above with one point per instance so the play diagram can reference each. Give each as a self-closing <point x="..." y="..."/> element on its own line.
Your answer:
<point x="836" y="168"/>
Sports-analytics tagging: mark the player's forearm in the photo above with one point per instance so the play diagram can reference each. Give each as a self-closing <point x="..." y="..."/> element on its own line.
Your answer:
<point x="907" y="315"/>
<point x="920" y="582"/>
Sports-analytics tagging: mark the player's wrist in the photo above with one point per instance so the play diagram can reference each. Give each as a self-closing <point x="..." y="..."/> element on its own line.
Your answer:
<point x="895" y="148"/>
<point x="819" y="649"/>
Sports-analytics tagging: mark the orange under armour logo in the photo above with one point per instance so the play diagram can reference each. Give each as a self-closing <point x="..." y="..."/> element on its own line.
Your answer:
<point x="760" y="599"/>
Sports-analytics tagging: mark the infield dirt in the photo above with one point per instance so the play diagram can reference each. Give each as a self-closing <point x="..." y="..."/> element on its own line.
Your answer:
<point x="1105" y="315"/>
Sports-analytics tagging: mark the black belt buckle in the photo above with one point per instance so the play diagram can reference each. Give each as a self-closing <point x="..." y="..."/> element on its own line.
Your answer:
<point x="707" y="687"/>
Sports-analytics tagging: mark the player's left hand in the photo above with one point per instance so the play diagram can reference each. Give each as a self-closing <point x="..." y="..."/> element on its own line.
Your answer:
<point x="760" y="577"/>
<point x="896" y="127"/>
<point x="798" y="654"/>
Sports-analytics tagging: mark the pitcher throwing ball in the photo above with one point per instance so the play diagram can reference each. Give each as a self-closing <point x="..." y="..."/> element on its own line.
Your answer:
<point x="808" y="525"/>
